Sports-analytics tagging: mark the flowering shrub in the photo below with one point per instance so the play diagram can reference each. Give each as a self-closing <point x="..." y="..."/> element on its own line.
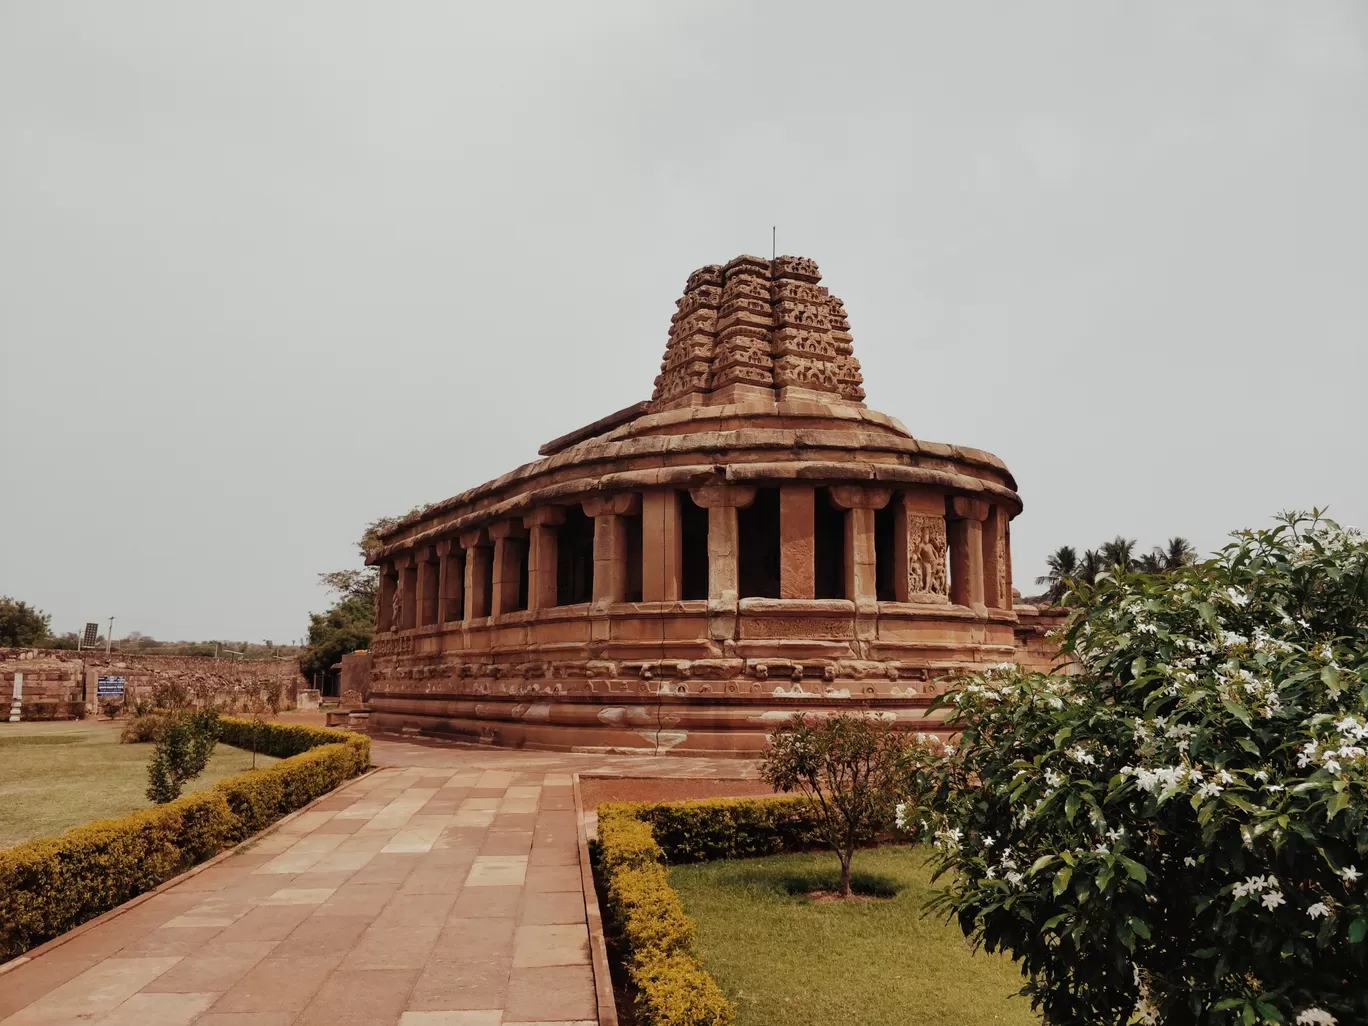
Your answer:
<point x="1177" y="832"/>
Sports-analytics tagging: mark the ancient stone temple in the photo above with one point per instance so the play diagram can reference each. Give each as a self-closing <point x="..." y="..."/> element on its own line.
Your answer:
<point x="685" y="573"/>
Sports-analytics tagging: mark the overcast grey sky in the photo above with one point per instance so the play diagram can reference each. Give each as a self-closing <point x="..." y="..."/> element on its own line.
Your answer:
<point x="271" y="270"/>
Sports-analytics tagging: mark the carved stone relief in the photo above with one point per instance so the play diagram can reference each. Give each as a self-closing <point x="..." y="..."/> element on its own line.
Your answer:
<point x="927" y="547"/>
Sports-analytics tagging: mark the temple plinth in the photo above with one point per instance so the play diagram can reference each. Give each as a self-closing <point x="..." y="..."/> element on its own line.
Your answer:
<point x="683" y="574"/>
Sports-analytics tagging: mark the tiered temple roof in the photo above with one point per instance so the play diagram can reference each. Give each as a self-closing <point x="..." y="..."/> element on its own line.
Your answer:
<point x="756" y="326"/>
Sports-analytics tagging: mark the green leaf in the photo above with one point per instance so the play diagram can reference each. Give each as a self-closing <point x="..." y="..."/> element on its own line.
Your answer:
<point x="1358" y="929"/>
<point x="1249" y="746"/>
<point x="1040" y="863"/>
<point x="1269" y="1012"/>
<point x="1237" y="710"/>
<point x="1330" y="675"/>
<point x="1337" y="804"/>
<point x="1061" y="880"/>
<point x="1140" y="927"/>
<point x="1071" y="807"/>
<point x="1136" y="871"/>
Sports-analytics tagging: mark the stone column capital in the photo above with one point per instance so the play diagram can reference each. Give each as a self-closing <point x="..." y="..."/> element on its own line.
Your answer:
<point x="848" y="496"/>
<point x="619" y="504"/>
<point x="402" y="560"/>
<point x="473" y="537"/>
<point x="713" y="496"/>
<point x="501" y="529"/>
<point x="544" y="516"/>
<point x="424" y="554"/>
<point x="443" y="548"/>
<point x="962" y="507"/>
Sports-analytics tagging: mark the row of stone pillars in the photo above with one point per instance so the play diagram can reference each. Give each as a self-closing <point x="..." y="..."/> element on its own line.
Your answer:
<point x="512" y="564"/>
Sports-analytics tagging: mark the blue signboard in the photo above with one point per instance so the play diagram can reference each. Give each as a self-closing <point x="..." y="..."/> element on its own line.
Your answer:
<point x="109" y="686"/>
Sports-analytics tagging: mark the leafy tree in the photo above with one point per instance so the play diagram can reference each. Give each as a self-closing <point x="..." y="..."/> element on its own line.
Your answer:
<point x="1178" y="832"/>
<point x="1062" y="565"/>
<point x="349" y="622"/>
<point x="853" y="768"/>
<point x="344" y="628"/>
<point x="22" y="625"/>
<point x="183" y="750"/>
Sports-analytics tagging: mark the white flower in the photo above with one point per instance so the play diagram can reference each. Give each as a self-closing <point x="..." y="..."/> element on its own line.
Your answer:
<point x="1209" y="790"/>
<point x="1261" y="776"/>
<point x="988" y="841"/>
<point x="1250" y="885"/>
<point x="901" y="813"/>
<point x="1225" y="777"/>
<point x="1015" y="879"/>
<point x="990" y="873"/>
<point x="1081" y="755"/>
<point x="1316" y="1017"/>
<point x="1115" y="834"/>
<point x="1102" y="849"/>
<point x="1190" y="862"/>
<point x="1273" y="899"/>
<point x="1053" y="779"/>
<point x="1350" y="874"/>
<point x="1318" y="910"/>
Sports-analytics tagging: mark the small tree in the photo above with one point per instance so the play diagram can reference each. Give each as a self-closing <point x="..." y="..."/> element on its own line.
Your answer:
<point x="1177" y="833"/>
<point x="855" y="769"/>
<point x="183" y="750"/>
<point x="22" y="625"/>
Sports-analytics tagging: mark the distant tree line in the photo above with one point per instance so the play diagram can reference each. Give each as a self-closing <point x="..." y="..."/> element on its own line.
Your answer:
<point x="1065" y="564"/>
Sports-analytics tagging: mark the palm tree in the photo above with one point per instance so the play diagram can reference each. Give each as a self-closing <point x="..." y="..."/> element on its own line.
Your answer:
<point x="1063" y="565"/>
<point x="1092" y="564"/>
<point x="1180" y="552"/>
<point x="1119" y="552"/>
<point x="1151" y="562"/>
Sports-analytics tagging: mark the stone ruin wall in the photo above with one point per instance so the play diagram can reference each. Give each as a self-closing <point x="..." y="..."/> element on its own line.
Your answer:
<point x="60" y="684"/>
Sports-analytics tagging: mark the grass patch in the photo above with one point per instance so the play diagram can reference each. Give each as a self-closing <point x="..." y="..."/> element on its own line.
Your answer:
<point x="787" y="960"/>
<point x="54" y="776"/>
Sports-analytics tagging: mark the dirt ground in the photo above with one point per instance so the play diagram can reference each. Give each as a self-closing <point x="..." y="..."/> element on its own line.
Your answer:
<point x="595" y="790"/>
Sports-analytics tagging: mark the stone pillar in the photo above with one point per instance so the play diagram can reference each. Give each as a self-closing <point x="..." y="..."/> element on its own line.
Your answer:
<point x="861" y="501"/>
<point x="661" y="551"/>
<point x="408" y="592"/>
<point x="995" y="585"/>
<point x="610" y="544"/>
<point x="428" y="588"/>
<point x="508" y="556"/>
<point x="450" y="581"/>
<point x="541" y="525"/>
<point x="389" y="586"/>
<point x="722" y="502"/>
<point x="797" y="545"/>
<point x="966" y="516"/>
<point x="919" y="557"/>
<point x="476" y="572"/>
<point x="724" y="553"/>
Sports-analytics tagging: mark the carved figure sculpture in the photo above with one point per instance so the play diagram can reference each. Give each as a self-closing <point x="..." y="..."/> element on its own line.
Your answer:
<point x="927" y="574"/>
<point x="396" y="609"/>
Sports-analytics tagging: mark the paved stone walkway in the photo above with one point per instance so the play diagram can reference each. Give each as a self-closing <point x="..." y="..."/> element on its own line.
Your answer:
<point x="442" y="890"/>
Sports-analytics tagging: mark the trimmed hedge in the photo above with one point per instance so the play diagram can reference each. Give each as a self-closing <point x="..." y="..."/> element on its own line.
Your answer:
<point x="54" y="884"/>
<point x="283" y="740"/>
<point x="726" y="828"/>
<point x="655" y="935"/>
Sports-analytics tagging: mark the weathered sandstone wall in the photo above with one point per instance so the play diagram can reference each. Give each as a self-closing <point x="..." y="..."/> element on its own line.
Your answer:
<point x="62" y="684"/>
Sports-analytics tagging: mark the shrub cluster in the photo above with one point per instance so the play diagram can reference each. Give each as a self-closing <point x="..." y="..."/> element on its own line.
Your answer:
<point x="726" y="828"/>
<point x="672" y="988"/>
<point x="282" y="740"/>
<point x="51" y="885"/>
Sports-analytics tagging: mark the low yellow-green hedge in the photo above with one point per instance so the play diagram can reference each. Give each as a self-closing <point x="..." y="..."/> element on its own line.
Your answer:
<point x="654" y="934"/>
<point x="53" y="884"/>
<point x="726" y="828"/>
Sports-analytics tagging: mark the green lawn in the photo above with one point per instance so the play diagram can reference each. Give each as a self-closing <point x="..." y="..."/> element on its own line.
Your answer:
<point x="57" y="775"/>
<point x="789" y="961"/>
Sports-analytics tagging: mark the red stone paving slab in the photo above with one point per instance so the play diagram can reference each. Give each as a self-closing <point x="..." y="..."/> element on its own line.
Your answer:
<point x="444" y="890"/>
